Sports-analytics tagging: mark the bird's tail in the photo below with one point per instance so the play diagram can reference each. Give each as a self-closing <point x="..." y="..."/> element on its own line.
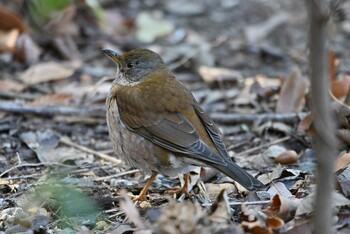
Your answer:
<point x="238" y="174"/>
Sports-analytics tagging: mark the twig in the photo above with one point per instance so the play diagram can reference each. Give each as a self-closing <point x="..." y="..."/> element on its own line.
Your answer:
<point x="50" y="110"/>
<point x="324" y="127"/>
<point x="248" y="151"/>
<point x="227" y="118"/>
<point x="251" y="203"/>
<point x="82" y="170"/>
<point x="9" y="94"/>
<point x="117" y="175"/>
<point x="67" y="141"/>
<point x="32" y="165"/>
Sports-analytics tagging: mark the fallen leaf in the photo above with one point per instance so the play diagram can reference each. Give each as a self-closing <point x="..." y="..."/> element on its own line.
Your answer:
<point x="273" y="151"/>
<point x="130" y="210"/>
<point x="214" y="190"/>
<point x="10" y="20"/>
<point x="57" y="99"/>
<point x="180" y="217"/>
<point x="218" y="74"/>
<point x="340" y="87"/>
<point x="27" y="50"/>
<point x="49" y="71"/>
<point x="283" y="207"/>
<point x="45" y="145"/>
<point x="297" y="226"/>
<point x="220" y="211"/>
<point x="275" y="223"/>
<point x="306" y="206"/>
<point x="342" y="162"/>
<point x="287" y="157"/>
<point x="9" y="85"/>
<point x="293" y="91"/>
<point x="247" y="96"/>
<point x="280" y="189"/>
<point x="269" y="177"/>
<point x="256" y="227"/>
<point x="8" y="40"/>
<point x="151" y="26"/>
<point x="343" y="177"/>
<point x="305" y="125"/>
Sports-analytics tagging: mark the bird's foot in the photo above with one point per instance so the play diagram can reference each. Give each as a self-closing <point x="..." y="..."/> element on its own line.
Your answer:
<point x="138" y="198"/>
<point x="183" y="190"/>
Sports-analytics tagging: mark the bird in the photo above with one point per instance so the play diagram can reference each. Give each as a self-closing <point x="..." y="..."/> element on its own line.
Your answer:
<point x="156" y="124"/>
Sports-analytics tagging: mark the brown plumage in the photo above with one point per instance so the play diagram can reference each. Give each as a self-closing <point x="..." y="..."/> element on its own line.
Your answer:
<point x="156" y="124"/>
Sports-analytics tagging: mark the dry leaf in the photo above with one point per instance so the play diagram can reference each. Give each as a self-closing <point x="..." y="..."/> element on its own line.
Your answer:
<point x="214" y="190"/>
<point x="45" y="145"/>
<point x="287" y="157"/>
<point x="269" y="177"/>
<point x="218" y="74"/>
<point x="280" y="189"/>
<point x="283" y="207"/>
<point x="344" y="180"/>
<point x="342" y="162"/>
<point x="10" y="20"/>
<point x="8" y="40"/>
<point x="256" y="227"/>
<point x="130" y="210"/>
<point x="9" y="85"/>
<point x="307" y="204"/>
<point x="180" y="217"/>
<point x="340" y="87"/>
<point x="57" y="99"/>
<point x="275" y="223"/>
<point x="27" y="50"/>
<point x="220" y="211"/>
<point x="297" y="226"/>
<point x="152" y="26"/>
<point x="292" y="95"/>
<point x="305" y="125"/>
<point x="49" y="71"/>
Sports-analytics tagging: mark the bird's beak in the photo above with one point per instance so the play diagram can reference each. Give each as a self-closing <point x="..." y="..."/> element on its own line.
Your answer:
<point x="113" y="55"/>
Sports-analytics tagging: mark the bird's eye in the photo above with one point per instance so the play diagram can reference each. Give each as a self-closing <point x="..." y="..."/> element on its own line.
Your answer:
<point x="129" y="65"/>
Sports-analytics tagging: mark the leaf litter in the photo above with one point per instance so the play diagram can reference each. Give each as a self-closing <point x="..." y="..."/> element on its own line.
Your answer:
<point x="59" y="173"/>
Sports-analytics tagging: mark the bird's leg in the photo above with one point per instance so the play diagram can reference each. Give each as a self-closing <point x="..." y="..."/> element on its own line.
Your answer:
<point x="184" y="188"/>
<point x="142" y="195"/>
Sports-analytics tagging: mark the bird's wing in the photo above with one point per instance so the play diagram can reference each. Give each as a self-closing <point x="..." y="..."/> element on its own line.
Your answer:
<point x="212" y="130"/>
<point x="172" y="131"/>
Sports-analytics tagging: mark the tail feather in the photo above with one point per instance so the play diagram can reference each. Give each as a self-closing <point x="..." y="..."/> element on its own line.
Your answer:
<point x="238" y="174"/>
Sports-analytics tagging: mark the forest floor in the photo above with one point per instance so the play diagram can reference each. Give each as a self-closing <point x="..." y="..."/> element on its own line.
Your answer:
<point x="246" y="63"/>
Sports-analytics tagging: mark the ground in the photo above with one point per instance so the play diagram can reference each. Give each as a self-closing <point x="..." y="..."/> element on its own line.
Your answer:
<point x="246" y="62"/>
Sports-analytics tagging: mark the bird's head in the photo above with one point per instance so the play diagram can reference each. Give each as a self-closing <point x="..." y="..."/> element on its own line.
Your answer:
<point x="135" y="65"/>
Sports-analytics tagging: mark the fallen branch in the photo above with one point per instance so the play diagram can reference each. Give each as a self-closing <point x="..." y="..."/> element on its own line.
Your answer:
<point x="222" y="118"/>
<point x="117" y="175"/>
<point x="240" y="203"/>
<point x="51" y="110"/>
<point x="227" y="118"/>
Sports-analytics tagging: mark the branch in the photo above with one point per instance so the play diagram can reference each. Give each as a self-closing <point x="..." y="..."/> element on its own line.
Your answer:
<point x="221" y="118"/>
<point x="50" y="110"/>
<point x="228" y="118"/>
<point x="324" y="126"/>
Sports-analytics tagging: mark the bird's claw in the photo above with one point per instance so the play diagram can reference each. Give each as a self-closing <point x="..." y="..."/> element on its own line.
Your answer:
<point x="176" y="191"/>
<point x="137" y="198"/>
